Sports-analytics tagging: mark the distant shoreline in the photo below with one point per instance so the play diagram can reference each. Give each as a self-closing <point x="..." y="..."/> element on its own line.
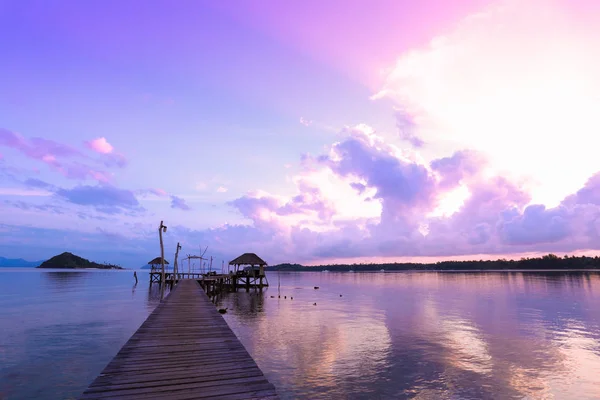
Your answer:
<point x="549" y="262"/>
<point x="440" y="270"/>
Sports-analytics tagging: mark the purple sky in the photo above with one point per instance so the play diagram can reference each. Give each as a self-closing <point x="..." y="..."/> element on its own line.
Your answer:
<point x="304" y="131"/>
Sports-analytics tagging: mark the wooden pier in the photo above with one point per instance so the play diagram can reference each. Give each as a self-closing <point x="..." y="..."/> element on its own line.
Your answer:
<point x="213" y="283"/>
<point x="184" y="350"/>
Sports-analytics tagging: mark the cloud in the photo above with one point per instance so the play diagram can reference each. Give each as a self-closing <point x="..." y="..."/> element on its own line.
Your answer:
<point x="60" y="157"/>
<point x="221" y="189"/>
<point x="37" y="183"/>
<point x="100" y="145"/>
<point x="402" y="186"/>
<point x="365" y="198"/>
<point x="305" y="121"/>
<point x="115" y="160"/>
<point x="105" y="199"/>
<point x="158" y="192"/>
<point x="179" y="203"/>
<point x="110" y="158"/>
<point x="46" y="208"/>
<point x="495" y="218"/>
<point x="514" y="80"/>
<point x="309" y="204"/>
<point x="494" y="215"/>
<point x="37" y="148"/>
<point x="407" y="128"/>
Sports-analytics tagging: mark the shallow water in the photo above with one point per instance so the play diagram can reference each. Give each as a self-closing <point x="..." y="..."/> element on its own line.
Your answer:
<point x="390" y="335"/>
<point x="425" y="335"/>
<point x="59" y="329"/>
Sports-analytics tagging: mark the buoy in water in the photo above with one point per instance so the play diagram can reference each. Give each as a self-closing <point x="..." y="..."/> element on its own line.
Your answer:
<point x="315" y="304"/>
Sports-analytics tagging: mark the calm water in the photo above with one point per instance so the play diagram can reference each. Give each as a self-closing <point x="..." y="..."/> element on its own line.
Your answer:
<point x="390" y="335"/>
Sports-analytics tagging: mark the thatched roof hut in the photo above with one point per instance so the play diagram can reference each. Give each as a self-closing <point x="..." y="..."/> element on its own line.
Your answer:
<point x="156" y="261"/>
<point x="256" y="265"/>
<point x="248" y="259"/>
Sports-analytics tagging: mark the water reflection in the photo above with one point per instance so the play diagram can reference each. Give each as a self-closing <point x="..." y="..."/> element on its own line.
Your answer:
<point x="62" y="279"/>
<point x="426" y="335"/>
<point x="59" y="329"/>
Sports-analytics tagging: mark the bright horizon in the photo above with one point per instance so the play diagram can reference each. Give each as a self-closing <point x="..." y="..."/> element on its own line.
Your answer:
<point x="392" y="131"/>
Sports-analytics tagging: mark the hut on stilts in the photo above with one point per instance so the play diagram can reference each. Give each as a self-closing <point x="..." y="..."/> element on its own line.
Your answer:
<point x="249" y="270"/>
<point x="156" y="269"/>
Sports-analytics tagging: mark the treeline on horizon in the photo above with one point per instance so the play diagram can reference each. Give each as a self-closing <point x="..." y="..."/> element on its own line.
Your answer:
<point x="549" y="261"/>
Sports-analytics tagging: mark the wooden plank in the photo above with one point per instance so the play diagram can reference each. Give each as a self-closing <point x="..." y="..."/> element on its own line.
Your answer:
<point x="122" y="379"/>
<point x="184" y="350"/>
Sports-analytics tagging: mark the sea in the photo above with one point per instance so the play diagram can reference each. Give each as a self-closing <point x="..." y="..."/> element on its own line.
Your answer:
<point x="375" y="335"/>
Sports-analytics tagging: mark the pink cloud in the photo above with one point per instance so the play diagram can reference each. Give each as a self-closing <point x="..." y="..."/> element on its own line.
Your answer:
<point x="367" y="199"/>
<point x="158" y="192"/>
<point x="496" y="217"/>
<point x="100" y="145"/>
<point x="221" y="189"/>
<point x="67" y="160"/>
<point x="110" y="158"/>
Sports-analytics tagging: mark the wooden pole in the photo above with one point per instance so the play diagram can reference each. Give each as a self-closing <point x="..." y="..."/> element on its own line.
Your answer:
<point x="162" y="228"/>
<point x="175" y="265"/>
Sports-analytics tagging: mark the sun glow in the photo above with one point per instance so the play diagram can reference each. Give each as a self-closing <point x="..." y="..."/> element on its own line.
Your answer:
<point x="451" y="202"/>
<point x="517" y="82"/>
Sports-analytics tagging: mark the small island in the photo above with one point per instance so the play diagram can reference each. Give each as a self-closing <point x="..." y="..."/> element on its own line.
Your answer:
<point x="68" y="260"/>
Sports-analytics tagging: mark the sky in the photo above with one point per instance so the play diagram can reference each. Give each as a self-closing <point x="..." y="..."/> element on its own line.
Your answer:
<point x="304" y="131"/>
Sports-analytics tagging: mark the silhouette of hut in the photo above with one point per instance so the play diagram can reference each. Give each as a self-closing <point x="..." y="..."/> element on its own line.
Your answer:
<point x="155" y="263"/>
<point x="254" y="265"/>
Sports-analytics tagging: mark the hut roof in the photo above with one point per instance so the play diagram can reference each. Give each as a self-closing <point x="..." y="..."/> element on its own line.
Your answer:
<point x="156" y="261"/>
<point x="248" y="259"/>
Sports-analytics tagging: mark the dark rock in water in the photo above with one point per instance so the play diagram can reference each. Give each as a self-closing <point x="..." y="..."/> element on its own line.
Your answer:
<point x="316" y="287"/>
<point x="222" y="310"/>
<point x="68" y="260"/>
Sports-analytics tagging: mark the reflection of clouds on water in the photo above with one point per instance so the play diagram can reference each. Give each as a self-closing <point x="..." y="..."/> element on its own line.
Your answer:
<point x="580" y="347"/>
<point x="507" y="340"/>
<point x="471" y="350"/>
<point x="427" y="335"/>
<point x="319" y="343"/>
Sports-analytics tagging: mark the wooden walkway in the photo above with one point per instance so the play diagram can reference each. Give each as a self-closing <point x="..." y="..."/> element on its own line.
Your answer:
<point x="184" y="350"/>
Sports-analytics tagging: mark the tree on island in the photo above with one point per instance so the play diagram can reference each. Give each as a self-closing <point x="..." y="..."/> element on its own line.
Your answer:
<point x="549" y="261"/>
<point x="71" y="261"/>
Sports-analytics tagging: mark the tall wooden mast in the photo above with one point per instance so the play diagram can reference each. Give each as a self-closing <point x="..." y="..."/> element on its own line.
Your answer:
<point x="162" y="228"/>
